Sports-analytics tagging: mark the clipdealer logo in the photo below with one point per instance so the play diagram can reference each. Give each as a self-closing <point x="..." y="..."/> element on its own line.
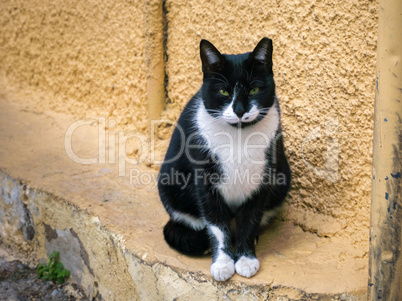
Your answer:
<point x="112" y="145"/>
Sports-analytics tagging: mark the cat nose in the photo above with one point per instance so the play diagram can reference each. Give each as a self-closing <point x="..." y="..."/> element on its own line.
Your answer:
<point x="239" y="110"/>
<point x="240" y="114"/>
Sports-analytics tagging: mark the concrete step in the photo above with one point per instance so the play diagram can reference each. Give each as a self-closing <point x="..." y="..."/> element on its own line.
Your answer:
<point x="108" y="227"/>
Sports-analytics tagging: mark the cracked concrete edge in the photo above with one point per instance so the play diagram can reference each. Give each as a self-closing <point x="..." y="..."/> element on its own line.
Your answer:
<point x="161" y="282"/>
<point x="86" y="247"/>
<point x="99" y="261"/>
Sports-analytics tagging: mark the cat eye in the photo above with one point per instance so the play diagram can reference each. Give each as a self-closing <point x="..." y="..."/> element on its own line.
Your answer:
<point x="254" y="91"/>
<point x="224" y="92"/>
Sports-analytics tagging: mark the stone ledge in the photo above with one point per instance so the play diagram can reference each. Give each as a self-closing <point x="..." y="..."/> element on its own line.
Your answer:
<point x="108" y="231"/>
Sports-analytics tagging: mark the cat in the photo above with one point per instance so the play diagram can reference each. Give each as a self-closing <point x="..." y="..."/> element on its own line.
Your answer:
<point x="225" y="173"/>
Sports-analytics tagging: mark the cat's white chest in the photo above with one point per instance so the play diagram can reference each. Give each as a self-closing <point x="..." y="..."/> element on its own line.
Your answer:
<point x="241" y="153"/>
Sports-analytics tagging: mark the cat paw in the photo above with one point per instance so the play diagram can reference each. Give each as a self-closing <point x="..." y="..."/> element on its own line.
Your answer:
<point x="223" y="268"/>
<point x="247" y="266"/>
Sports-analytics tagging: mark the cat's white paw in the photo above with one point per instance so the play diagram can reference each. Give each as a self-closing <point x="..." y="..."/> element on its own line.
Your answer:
<point x="247" y="266"/>
<point x="223" y="268"/>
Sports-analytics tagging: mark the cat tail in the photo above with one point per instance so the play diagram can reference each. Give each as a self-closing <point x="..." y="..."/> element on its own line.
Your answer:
<point x="186" y="240"/>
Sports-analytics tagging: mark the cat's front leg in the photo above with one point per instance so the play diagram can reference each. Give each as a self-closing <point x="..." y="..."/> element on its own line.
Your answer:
<point x="222" y="267"/>
<point x="247" y="225"/>
<point x="217" y="216"/>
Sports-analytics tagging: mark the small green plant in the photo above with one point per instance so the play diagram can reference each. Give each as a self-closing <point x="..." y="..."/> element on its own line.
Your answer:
<point x="54" y="270"/>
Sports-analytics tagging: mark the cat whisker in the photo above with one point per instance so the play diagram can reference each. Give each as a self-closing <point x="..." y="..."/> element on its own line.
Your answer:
<point x="218" y="79"/>
<point x="256" y="81"/>
<point x="264" y="111"/>
<point x="264" y="108"/>
<point x="252" y="69"/>
<point x="211" y="111"/>
<point x="224" y="78"/>
<point x="247" y="74"/>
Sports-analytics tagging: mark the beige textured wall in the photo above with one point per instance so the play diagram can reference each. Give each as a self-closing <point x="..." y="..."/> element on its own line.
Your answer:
<point x="84" y="57"/>
<point x="324" y="66"/>
<point x="67" y="55"/>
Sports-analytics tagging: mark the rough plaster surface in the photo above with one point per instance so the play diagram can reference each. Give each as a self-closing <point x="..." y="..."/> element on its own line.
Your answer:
<point x="324" y="66"/>
<point x="83" y="57"/>
<point x="109" y="229"/>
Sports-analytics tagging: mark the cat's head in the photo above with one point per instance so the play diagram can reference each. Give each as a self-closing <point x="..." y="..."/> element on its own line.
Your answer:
<point x="238" y="89"/>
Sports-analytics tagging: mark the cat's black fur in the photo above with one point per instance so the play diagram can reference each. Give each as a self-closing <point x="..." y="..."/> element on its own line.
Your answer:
<point x="191" y="180"/>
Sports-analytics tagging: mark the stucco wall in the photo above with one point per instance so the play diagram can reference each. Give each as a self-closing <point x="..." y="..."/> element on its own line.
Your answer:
<point x="324" y="66"/>
<point x="83" y="57"/>
<point x="87" y="58"/>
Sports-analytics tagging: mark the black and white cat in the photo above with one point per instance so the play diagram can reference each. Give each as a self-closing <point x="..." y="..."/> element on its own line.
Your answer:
<point x="225" y="173"/>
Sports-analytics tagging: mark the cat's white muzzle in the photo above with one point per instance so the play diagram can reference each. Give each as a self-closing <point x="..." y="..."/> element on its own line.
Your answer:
<point x="230" y="116"/>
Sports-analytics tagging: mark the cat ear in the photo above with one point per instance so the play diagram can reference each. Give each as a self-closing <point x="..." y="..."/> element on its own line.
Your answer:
<point x="212" y="59"/>
<point x="263" y="53"/>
